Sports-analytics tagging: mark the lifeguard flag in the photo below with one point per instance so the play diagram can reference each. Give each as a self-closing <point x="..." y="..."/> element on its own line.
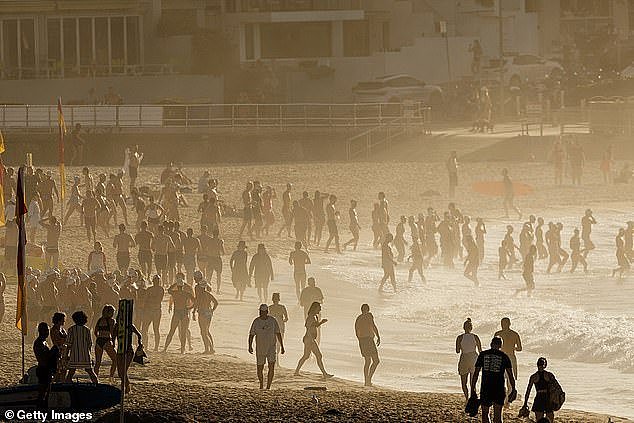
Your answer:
<point x="20" y="215"/>
<point x="61" y="123"/>
<point x="3" y="219"/>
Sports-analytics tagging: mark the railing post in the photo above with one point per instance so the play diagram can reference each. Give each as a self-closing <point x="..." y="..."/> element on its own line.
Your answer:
<point x="27" y="115"/>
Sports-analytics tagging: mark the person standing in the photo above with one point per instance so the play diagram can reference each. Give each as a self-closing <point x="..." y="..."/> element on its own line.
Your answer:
<point x="79" y="345"/>
<point x="153" y="299"/>
<point x="266" y="332"/>
<point x="399" y="239"/>
<point x="310" y="295"/>
<point x="161" y="245"/>
<point x="299" y="259"/>
<point x="577" y="160"/>
<point x="509" y="194"/>
<point x="480" y="232"/>
<point x="452" y="170"/>
<point x="279" y="312"/>
<point x="205" y="304"/>
<point x="123" y="241"/>
<point x="287" y="213"/>
<point x="46" y="364"/>
<point x="182" y="301"/>
<point x="621" y="255"/>
<point x="191" y="248"/>
<point x="528" y="271"/>
<point x="468" y="345"/>
<point x="214" y="256"/>
<point x="388" y="263"/>
<point x="239" y="271"/>
<point x="577" y="255"/>
<point x="354" y="226"/>
<point x="331" y="221"/>
<point x="512" y="344"/>
<point x="586" y="229"/>
<point x="472" y="261"/>
<point x="247" y="210"/>
<point x="365" y="330"/>
<point x="310" y="340"/>
<point x="53" y="231"/>
<point x="97" y="259"/>
<point x="261" y="269"/>
<point x="134" y="162"/>
<point x="144" y="239"/>
<point x="104" y="342"/>
<point x="494" y="365"/>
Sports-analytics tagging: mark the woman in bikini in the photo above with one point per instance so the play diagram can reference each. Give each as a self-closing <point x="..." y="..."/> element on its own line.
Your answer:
<point x="104" y="342"/>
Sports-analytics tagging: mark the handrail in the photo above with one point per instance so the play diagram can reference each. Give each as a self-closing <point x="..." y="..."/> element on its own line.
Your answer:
<point x="352" y="115"/>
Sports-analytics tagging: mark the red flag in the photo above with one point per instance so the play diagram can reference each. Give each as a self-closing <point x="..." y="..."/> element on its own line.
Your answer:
<point x="20" y="216"/>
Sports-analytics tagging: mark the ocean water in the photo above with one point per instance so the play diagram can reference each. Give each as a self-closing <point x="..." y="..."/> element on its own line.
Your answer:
<point x="583" y="323"/>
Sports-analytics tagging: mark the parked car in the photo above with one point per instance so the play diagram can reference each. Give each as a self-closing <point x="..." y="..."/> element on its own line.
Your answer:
<point x="525" y="68"/>
<point x="396" y="89"/>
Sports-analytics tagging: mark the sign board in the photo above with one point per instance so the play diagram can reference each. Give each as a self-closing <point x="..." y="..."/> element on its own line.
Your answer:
<point x="124" y="329"/>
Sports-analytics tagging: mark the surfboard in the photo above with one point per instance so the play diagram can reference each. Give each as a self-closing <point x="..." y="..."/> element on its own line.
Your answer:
<point x="496" y="188"/>
<point x="63" y="396"/>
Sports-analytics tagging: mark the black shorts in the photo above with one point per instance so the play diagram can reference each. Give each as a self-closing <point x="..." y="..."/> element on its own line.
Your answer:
<point x="488" y="398"/>
<point x="160" y="261"/>
<point x="145" y="257"/>
<point x="123" y="260"/>
<point x="367" y="347"/>
<point x="332" y="227"/>
<point x="171" y="259"/>
<point x="215" y="263"/>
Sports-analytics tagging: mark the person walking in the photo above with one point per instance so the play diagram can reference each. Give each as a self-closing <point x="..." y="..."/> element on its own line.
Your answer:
<point x="468" y="345"/>
<point x="494" y="365"/>
<point x="239" y="271"/>
<point x="261" y="269"/>
<point x="310" y="340"/>
<point x="267" y="333"/>
<point x="279" y="312"/>
<point x="79" y="344"/>
<point x="541" y="379"/>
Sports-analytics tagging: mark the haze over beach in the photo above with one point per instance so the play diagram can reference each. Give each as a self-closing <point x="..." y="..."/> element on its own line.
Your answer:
<point x="324" y="210"/>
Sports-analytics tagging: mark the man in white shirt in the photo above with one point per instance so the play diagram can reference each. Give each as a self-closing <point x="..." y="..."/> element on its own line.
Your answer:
<point x="266" y="332"/>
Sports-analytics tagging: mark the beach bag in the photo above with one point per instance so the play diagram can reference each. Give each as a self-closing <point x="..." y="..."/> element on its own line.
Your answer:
<point x="472" y="406"/>
<point x="139" y="355"/>
<point x="556" y="395"/>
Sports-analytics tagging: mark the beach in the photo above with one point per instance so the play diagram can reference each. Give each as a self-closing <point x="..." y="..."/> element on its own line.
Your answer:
<point x="582" y="323"/>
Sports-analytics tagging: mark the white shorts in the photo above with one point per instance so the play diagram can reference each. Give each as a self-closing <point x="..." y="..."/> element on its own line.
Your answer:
<point x="263" y="358"/>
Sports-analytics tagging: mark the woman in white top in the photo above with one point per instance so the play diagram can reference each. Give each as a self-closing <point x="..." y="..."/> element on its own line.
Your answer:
<point x="468" y="346"/>
<point x="34" y="216"/>
<point x="97" y="259"/>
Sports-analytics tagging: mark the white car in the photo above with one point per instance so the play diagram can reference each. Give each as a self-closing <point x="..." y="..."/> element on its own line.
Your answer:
<point x="529" y="68"/>
<point x="396" y="89"/>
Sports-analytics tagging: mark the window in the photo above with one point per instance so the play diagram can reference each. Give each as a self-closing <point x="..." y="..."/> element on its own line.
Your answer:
<point x="54" y="43"/>
<point x="10" y="44"/>
<point x="133" y="42"/>
<point x="70" y="45"/>
<point x="292" y="40"/>
<point x="85" y="43"/>
<point x="117" y="44"/>
<point x="101" y="43"/>
<point x="356" y="39"/>
<point x="248" y="42"/>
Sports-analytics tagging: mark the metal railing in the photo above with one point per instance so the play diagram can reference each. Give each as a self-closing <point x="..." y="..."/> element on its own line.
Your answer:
<point x="382" y="136"/>
<point x="44" y="117"/>
<point x="55" y="70"/>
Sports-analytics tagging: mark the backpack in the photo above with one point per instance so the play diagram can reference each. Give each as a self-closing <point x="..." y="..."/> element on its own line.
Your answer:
<point x="556" y="394"/>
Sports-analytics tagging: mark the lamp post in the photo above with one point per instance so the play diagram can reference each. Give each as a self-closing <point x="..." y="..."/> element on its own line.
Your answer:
<point x="443" y="31"/>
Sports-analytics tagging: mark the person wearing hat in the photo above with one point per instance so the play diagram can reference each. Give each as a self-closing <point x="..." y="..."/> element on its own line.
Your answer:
<point x="203" y="306"/>
<point x="261" y="269"/>
<point x="239" y="271"/>
<point x="266" y="332"/>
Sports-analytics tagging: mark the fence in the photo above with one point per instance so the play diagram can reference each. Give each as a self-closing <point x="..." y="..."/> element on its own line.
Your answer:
<point x="44" y="117"/>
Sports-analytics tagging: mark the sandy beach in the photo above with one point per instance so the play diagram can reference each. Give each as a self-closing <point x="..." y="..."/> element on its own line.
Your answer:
<point x="193" y="387"/>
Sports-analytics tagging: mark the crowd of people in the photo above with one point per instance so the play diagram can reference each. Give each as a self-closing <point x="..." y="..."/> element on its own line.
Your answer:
<point x="184" y="264"/>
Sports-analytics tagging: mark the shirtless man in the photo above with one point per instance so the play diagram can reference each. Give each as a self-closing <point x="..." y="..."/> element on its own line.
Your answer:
<point x="204" y="304"/>
<point x="216" y="249"/>
<point x="144" y="240"/>
<point x="387" y="262"/>
<point x="365" y="330"/>
<point x="53" y="230"/>
<point x="247" y="212"/>
<point x="191" y="247"/>
<point x="172" y="250"/>
<point x="123" y="241"/>
<point x="353" y="225"/>
<point x="153" y="299"/>
<point x="299" y="259"/>
<point x="472" y="261"/>
<point x="183" y="300"/>
<point x="116" y="192"/>
<point x="384" y="214"/>
<point x="577" y="255"/>
<point x="308" y="205"/>
<point x="331" y="221"/>
<point x="89" y="208"/>
<point x="586" y="229"/>
<point x="542" y="252"/>
<point x="511" y="343"/>
<point x="509" y="195"/>
<point x="161" y="245"/>
<point x="47" y="188"/>
<point x="205" y="248"/>
<point x="287" y="214"/>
